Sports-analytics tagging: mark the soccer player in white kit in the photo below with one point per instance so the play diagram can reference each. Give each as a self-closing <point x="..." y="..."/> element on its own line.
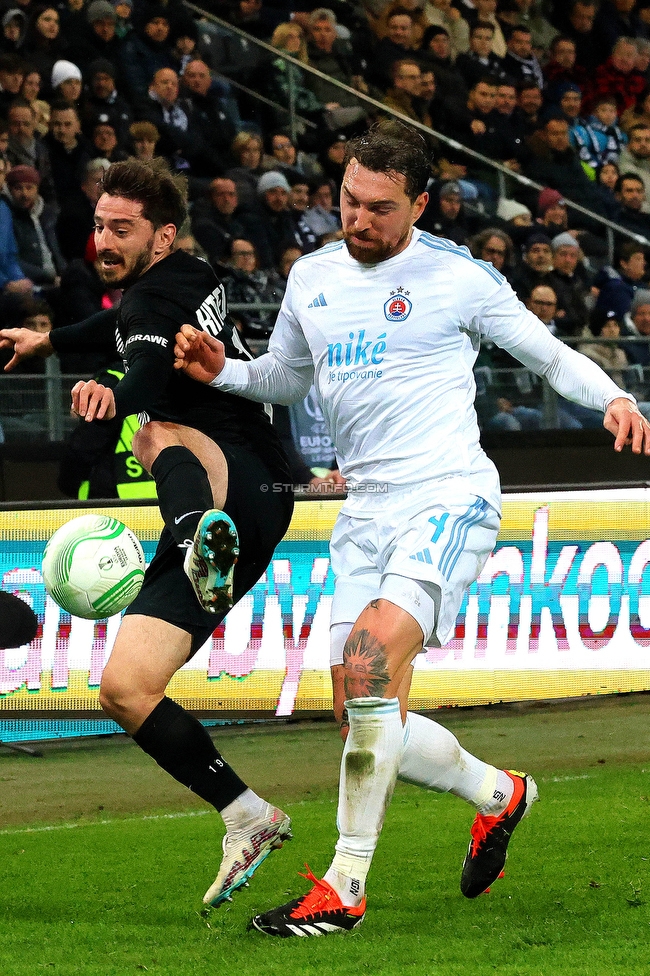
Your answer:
<point x="387" y="324"/>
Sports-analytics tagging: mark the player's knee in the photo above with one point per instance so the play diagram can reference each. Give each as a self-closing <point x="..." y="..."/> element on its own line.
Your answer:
<point x="116" y="698"/>
<point x="150" y="440"/>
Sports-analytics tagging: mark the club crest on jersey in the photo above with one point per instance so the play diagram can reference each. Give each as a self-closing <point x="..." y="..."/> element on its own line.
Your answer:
<point x="398" y="307"/>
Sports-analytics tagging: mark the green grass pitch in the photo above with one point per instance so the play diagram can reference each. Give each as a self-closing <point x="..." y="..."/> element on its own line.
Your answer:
<point x="104" y="859"/>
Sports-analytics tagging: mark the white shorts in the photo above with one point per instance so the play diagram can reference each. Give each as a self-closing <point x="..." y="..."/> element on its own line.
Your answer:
<point x="422" y="555"/>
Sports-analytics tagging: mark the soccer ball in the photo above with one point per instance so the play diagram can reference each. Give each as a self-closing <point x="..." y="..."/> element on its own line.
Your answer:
<point x="93" y="566"/>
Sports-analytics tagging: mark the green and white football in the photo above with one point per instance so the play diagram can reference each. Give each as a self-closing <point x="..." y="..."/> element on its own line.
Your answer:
<point x="93" y="566"/>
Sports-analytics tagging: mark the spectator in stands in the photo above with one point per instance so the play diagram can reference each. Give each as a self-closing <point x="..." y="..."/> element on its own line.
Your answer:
<point x="520" y="63"/>
<point x="99" y="38"/>
<point x="379" y="23"/>
<point x="618" y="76"/>
<point x="551" y="212"/>
<point x="12" y="75"/>
<point x="25" y="147"/>
<point x="270" y="226"/>
<point x="287" y="157"/>
<point x="251" y="16"/>
<point x="431" y="101"/>
<point x="577" y="22"/>
<point x="43" y="42"/>
<point x="561" y="64"/>
<point x="542" y="302"/>
<point x="286" y="80"/>
<point x="68" y="151"/>
<point x="635" y="157"/>
<point x="306" y="239"/>
<point x="636" y="323"/>
<point x="441" y="13"/>
<point x="632" y="213"/>
<point x="496" y="247"/>
<point x="65" y="81"/>
<point x="12" y="277"/>
<point x="14" y="28"/>
<point x="526" y="117"/>
<point x="331" y="159"/>
<point x="102" y="98"/>
<point x="211" y="105"/>
<point x="76" y="222"/>
<point x="536" y="265"/>
<point x="602" y="140"/>
<point x="482" y="128"/>
<point x="246" y="148"/>
<point x="404" y="95"/>
<point x="616" y="19"/>
<point x="30" y="91"/>
<point x="104" y="141"/>
<point x="331" y="56"/>
<point x="609" y="355"/>
<point x="435" y="53"/>
<point x="182" y="139"/>
<point x="638" y="113"/>
<point x="215" y="220"/>
<point x="570" y="287"/>
<point x="396" y="45"/>
<point x="486" y="12"/>
<point x="34" y="223"/>
<point x="245" y="282"/>
<point x="518" y="221"/>
<point x="480" y="60"/>
<point x="144" y="51"/>
<point x="322" y="216"/>
<point x="444" y="215"/>
<point x="554" y="163"/>
<point x="145" y="137"/>
<point x="616" y="286"/>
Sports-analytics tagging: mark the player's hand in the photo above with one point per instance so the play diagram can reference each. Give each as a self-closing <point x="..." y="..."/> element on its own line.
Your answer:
<point x="199" y="355"/>
<point x="25" y="343"/>
<point x="93" y="401"/>
<point x="628" y="425"/>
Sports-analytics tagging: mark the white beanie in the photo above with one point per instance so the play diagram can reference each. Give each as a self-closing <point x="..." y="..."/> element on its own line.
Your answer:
<point x="509" y="209"/>
<point x="271" y="181"/>
<point x="64" y="71"/>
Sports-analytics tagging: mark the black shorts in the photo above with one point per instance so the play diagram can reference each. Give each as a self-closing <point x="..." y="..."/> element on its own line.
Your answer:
<point x="261" y="516"/>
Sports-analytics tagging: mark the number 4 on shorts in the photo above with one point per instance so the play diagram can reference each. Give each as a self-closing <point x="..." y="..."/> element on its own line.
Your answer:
<point x="439" y="522"/>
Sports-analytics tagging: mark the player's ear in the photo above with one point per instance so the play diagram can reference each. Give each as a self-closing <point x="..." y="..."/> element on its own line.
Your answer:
<point x="166" y="236"/>
<point x="419" y="205"/>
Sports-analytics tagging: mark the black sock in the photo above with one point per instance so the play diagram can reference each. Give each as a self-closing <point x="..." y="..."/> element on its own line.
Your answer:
<point x="182" y="747"/>
<point x="184" y="492"/>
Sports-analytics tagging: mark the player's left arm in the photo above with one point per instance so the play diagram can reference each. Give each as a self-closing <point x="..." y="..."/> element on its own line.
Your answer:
<point x="575" y="377"/>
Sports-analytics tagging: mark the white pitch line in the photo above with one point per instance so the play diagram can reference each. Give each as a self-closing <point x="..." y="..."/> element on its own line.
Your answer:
<point x="104" y="823"/>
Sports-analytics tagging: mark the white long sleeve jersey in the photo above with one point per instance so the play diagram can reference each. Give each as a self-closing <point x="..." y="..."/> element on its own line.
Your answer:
<point x="390" y="348"/>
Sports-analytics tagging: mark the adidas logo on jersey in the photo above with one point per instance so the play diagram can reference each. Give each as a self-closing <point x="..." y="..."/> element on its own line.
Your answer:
<point x="318" y="302"/>
<point x="423" y="557"/>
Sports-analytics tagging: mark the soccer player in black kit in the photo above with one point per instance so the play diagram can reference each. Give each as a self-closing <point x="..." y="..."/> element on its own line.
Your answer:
<point x="212" y="455"/>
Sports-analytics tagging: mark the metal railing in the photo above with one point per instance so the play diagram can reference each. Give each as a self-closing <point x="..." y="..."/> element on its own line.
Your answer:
<point x="36" y="406"/>
<point x="502" y="172"/>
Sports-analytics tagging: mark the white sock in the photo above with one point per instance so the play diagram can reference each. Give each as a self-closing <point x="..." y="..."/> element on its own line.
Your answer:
<point x="434" y="759"/>
<point x="247" y="807"/>
<point x="368" y="772"/>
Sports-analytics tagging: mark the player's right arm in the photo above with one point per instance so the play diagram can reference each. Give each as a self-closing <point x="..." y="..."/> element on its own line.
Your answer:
<point x="25" y="343"/>
<point x="94" y="333"/>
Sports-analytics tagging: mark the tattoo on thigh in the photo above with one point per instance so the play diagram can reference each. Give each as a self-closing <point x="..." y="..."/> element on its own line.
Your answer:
<point x="366" y="671"/>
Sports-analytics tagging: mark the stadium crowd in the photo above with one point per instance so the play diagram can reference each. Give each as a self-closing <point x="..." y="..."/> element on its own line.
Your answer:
<point x="554" y="91"/>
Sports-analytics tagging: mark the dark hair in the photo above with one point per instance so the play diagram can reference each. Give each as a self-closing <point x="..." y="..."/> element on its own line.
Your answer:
<point x="61" y="106"/>
<point x="560" y="39"/>
<point x="626" y="250"/>
<point x="163" y="195"/>
<point x="618" y="186"/>
<point x="478" y="242"/>
<point x="389" y="147"/>
<point x="400" y="12"/>
<point x="481" y="25"/>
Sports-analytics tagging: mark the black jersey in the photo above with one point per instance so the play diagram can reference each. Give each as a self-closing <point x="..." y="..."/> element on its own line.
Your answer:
<point x="179" y="289"/>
